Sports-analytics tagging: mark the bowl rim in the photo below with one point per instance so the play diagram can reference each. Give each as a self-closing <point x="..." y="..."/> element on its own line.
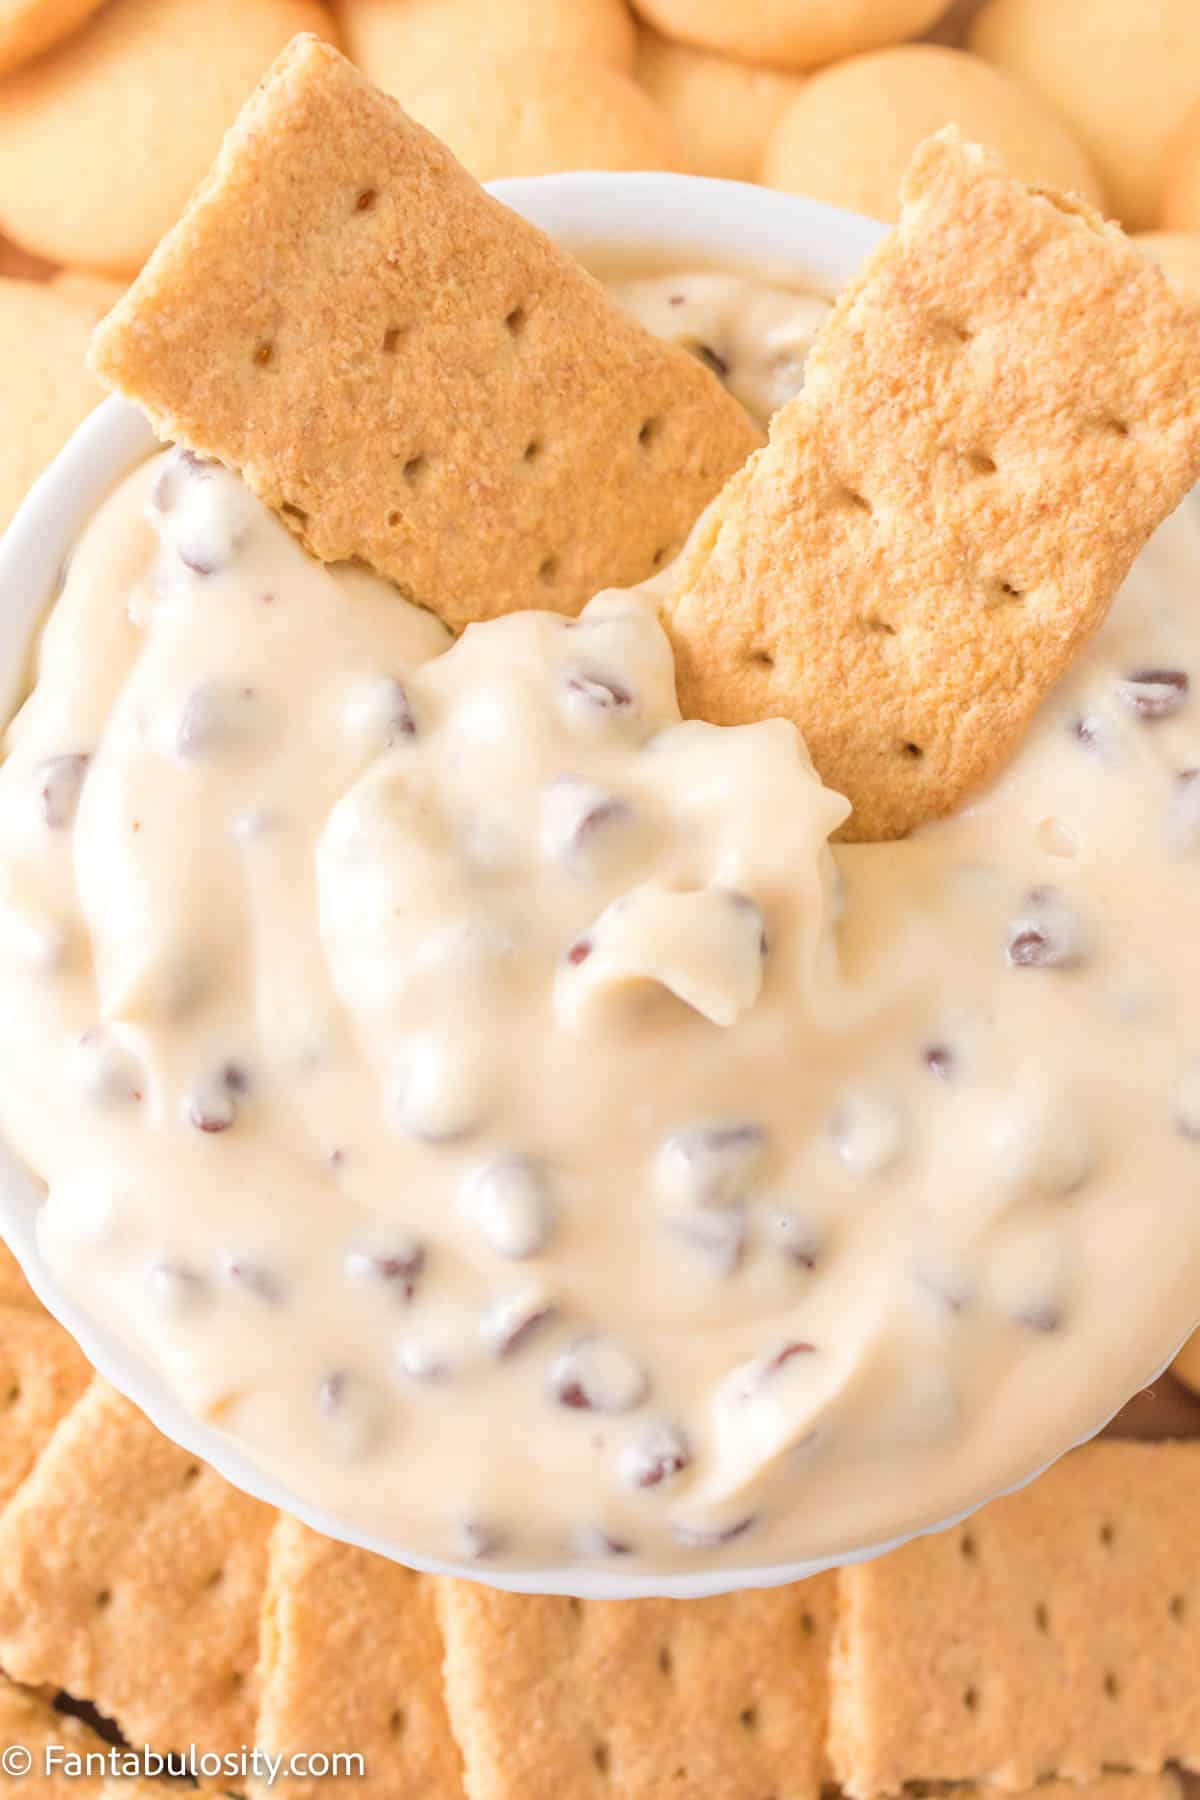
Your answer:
<point x="668" y="221"/>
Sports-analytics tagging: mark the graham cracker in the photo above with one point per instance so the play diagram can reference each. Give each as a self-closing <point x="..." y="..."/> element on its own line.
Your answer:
<point x="14" y="1289"/>
<point x="411" y="374"/>
<point x="42" y="1375"/>
<point x="995" y="416"/>
<point x="1115" y="1785"/>
<point x="351" y="1660"/>
<point x="132" y="1574"/>
<point x="120" y="1787"/>
<point x="29" y="1720"/>
<point x="1056" y="1633"/>
<point x="552" y="1697"/>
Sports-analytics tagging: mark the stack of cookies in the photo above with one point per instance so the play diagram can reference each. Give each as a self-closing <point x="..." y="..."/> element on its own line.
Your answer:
<point x="105" y="127"/>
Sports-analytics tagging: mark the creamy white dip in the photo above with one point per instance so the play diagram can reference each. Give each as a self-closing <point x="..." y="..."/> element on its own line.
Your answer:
<point x="491" y="1100"/>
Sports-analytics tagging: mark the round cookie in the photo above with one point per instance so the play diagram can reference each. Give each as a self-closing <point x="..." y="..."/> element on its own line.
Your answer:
<point x="45" y="385"/>
<point x="1122" y="76"/>
<point x="1181" y="192"/>
<point x="849" y="136"/>
<point x="27" y="27"/>
<point x="18" y="262"/>
<point x="721" y="109"/>
<point x="524" y="114"/>
<point x="791" y="34"/>
<point x="1178" y="253"/>
<point x="103" y="140"/>
<point x="402" y="45"/>
<point x="96" y="294"/>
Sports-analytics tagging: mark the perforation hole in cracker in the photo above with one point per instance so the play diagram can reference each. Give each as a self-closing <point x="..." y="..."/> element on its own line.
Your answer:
<point x="856" y="502"/>
<point x="998" y="590"/>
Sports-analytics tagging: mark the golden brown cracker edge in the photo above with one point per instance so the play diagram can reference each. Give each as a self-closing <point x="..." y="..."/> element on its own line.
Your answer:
<point x="996" y="415"/>
<point x="407" y="371"/>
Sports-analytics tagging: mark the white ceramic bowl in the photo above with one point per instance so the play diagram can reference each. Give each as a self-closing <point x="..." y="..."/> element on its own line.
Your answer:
<point x="660" y="220"/>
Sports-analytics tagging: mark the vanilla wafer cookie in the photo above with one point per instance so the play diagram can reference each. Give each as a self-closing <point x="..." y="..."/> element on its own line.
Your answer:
<point x="96" y="294"/>
<point x="996" y="415"/>
<point x="551" y="1697"/>
<point x="132" y="1575"/>
<point x="46" y="389"/>
<point x="544" y="112"/>
<point x="1055" y="1633"/>
<point x="400" y="44"/>
<point x="324" y="1602"/>
<point x="102" y="141"/>
<point x="407" y="371"/>
<point x="28" y="27"/>
<point x="1121" y="76"/>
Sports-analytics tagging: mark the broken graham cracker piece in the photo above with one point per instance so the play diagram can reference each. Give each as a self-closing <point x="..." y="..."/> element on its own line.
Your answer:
<point x="351" y="1660"/>
<point x="551" y="1697"/>
<point x="132" y="1574"/>
<point x="30" y="1721"/>
<point x="1056" y="1633"/>
<point x="407" y="371"/>
<point x="42" y="1374"/>
<point x="996" y="415"/>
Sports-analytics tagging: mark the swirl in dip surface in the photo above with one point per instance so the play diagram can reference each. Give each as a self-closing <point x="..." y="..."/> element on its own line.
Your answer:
<point x="492" y="1100"/>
